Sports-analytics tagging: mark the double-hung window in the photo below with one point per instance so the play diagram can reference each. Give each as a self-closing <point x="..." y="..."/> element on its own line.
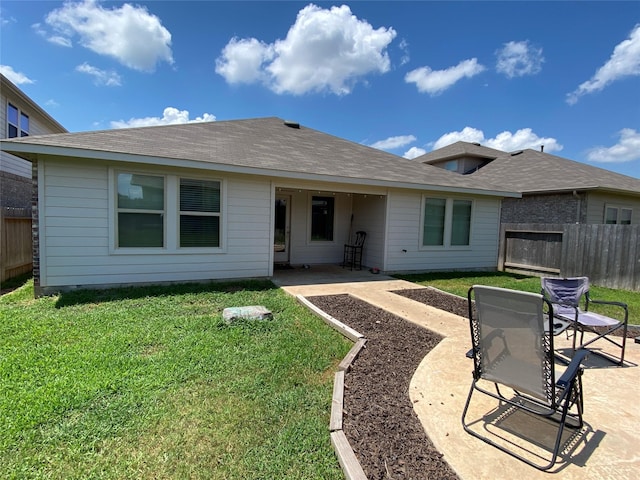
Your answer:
<point x="17" y="122"/>
<point x="446" y="222"/>
<point x="617" y="215"/>
<point x="140" y="210"/>
<point x="199" y="213"/>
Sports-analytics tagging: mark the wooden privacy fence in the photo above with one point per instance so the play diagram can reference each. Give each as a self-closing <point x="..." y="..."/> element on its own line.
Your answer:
<point x="608" y="254"/>
<point x="16" y="255"/>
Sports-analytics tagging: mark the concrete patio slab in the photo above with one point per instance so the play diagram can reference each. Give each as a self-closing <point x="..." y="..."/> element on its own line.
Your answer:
<point x="608" y="446"/>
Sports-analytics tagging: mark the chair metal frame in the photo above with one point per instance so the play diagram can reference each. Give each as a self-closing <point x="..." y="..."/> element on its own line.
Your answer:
<point x="560" y="401"/>
<point x="566" y="298"/>
<point x="353" y="251"/>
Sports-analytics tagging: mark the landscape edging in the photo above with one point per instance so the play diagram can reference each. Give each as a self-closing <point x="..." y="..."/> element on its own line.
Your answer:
<point x="346" y="456"/>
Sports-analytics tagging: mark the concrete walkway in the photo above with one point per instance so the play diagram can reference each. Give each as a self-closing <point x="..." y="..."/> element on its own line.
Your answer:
<point x="607" y="448"/>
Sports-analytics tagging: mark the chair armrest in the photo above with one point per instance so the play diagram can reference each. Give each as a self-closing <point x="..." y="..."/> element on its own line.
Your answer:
<point x="573" y="368"/>
<point x="606" y="302"/>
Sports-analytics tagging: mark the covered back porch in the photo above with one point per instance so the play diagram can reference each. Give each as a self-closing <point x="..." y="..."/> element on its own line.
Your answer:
<point x="311" y="225"/>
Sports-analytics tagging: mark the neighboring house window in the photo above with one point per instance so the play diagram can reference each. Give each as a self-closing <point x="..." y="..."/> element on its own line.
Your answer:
<point x="17" y="122"/>
<point x="446" y="222"/>
<point x="322" y="217"/>
<point x="199" y="213"/>
<point x="140" y="210"/>
<point x="617" y="216"/>
<point x="451" y="165"/>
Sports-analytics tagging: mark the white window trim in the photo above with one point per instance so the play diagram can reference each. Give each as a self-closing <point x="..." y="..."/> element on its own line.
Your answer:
<point x="172" y="215"/>
<point x="448" y="224"/>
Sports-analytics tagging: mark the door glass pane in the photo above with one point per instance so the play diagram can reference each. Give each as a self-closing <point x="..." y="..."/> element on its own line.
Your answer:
<point x="280" y="227"/>
<point x="433" y="233"/>
<point x="461" y="222"/>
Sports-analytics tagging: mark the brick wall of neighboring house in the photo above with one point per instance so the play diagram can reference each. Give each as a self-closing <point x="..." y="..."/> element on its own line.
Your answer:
<point x="15" y="191"/>
<point x="35" y="219"/>
<point x="558" y="208"/>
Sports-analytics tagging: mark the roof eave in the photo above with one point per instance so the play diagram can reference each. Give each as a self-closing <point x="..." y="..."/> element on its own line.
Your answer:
<point x="31" y="151"/>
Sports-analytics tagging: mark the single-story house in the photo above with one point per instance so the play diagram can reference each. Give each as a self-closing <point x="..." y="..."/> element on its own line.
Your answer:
<point x="554" y="189"/>
<point x="231" y="199"/>
<point x="20" y="116"/>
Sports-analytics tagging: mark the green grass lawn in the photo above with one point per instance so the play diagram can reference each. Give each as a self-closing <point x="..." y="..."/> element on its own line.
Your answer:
<point x="151" y="383"/>
<point x="460" y="282"/>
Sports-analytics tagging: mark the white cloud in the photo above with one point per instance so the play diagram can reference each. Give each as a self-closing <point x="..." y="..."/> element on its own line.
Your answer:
<point x="170" y="116"/>
<point x="325" y="50"/>
<point x="17" y="78"/>
<point x="242" y="60"/>
<point x="626" y="150"/>
<point x="414" y="152"/>
<point x="624" y="62"/>
<point x="467" y="134"/>
<point x="517" y="59"/>
<point x="505" y="141"/>
<point x="435" y="82"/>
<point x="130" y="34"/>
<point x="394" y="142"/>
<point x="404" y="47"/>
<point x="100" y="77"/>
<point x="4" y="20"/>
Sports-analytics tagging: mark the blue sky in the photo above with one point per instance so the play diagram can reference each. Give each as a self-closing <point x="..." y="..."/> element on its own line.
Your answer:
<point x="406" y="77"/>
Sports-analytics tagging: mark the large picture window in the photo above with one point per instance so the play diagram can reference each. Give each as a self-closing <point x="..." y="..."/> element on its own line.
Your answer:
<point x="141" y="210"/>
<point x="322" y="216"/>
<point x="199" y="213"/>
<point x="446" y="222"/>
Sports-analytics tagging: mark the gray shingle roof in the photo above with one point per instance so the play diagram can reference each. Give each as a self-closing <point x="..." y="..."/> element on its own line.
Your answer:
<point x="533" y="171"/>
<point x="263" y="145"/>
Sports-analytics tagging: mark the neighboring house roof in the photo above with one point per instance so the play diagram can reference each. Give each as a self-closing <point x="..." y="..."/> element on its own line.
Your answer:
<point x="264" y="146"/>
<point x="12" y="91"/>
<point x="532" y="171"/>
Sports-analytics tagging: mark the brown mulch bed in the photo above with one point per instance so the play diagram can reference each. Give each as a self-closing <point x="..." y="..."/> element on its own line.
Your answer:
<point x="378" y="420"/>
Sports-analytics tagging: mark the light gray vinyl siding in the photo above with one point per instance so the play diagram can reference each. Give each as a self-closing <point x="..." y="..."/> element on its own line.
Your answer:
<point x="369" y="216"/>
<point x="405" y="252"/>
<point x="75" y="232"/>
<point x="597" y="202"/>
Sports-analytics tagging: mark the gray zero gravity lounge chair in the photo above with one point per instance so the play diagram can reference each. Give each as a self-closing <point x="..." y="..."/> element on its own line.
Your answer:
<point x="512" y="338"/>
<point x="566" y="294"/>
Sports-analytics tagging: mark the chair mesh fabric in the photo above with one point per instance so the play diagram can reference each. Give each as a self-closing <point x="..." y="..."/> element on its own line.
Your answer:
<point x="514" y="350"/>
<point x="565" y="291"/>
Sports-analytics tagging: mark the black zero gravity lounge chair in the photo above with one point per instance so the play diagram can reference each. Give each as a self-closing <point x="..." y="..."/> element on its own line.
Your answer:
<point x="566" y="294"/>
<point x="512" y="338"/>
